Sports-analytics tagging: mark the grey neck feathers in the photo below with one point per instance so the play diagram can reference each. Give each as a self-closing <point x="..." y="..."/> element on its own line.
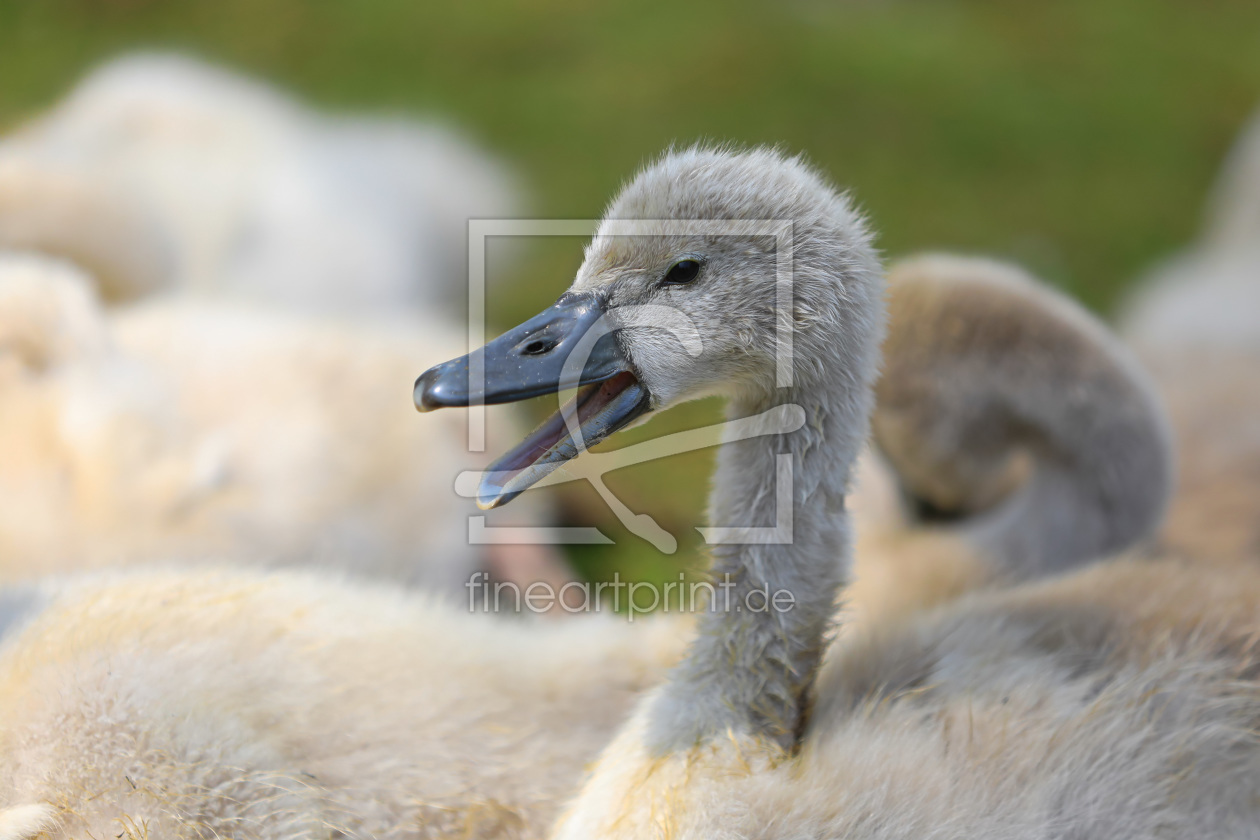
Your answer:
<point x="1068" y="514"/>
<point x="1010" y="408"/>
<point x="760" y="642"/>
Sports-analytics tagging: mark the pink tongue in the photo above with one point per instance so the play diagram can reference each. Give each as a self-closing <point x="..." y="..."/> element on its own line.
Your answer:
<point x="537" y="443"/>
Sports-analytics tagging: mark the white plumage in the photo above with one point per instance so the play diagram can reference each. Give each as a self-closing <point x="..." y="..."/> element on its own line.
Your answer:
<point x="254" y="194"/>
<point x="277" y="276"/>
<point x="186" y="431"/>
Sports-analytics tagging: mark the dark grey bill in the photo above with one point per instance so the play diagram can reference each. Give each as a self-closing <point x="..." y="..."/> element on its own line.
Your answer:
<point x="529" y="361"/>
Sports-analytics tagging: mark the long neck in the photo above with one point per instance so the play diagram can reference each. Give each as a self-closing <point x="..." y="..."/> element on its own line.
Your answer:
<point x="760" y="641"/>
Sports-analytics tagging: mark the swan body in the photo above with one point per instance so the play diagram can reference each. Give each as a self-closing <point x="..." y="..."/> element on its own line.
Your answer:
<point x="201" y="703"/>
<point x="163" y="174"/>
<point x="1116" y="702"/>
<point x="1197" y="330"/>
<point x="252" y="193"/>
<point x="1233" y="216"/>
<point x="180" y="431"/>
<point x="1195" y="322"/>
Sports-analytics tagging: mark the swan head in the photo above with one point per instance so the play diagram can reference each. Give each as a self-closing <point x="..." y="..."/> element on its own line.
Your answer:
<point x="713" y="272"/>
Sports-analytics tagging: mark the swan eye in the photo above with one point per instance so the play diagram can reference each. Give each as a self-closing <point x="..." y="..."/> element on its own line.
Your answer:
<point x="682" y="273"/>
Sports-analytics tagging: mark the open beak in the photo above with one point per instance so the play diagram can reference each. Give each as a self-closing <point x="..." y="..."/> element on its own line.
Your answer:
<point x="568" y="345"/>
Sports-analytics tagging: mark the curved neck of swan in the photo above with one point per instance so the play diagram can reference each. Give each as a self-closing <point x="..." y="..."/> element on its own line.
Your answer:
<point x="761" y="639"/>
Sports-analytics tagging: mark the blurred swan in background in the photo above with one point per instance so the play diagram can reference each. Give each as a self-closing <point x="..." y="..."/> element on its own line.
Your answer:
<point x="181" y="431"/>
<point x="259" y="196"/>
<point x="1014" y="438"/>
<point x="276" y="277"/>
<point x="1195" y="322"/>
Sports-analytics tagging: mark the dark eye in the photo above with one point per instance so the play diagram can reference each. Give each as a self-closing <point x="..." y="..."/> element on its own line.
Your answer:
<point x="682" y="272"/>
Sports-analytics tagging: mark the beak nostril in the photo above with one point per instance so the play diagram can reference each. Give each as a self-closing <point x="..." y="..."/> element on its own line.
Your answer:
<point x="539" y="347"/>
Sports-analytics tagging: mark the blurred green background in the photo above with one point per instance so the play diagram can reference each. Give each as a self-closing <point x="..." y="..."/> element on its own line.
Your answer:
<point x="1078" y="137"/>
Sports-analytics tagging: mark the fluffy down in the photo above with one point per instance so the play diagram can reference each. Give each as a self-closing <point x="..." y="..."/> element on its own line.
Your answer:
<point x="1118" y="703"/>
<point x="252" y="193"/>
<point x="1196" y="324"/>
<point x="178" y="431"/>
<point x="284" y="705"/>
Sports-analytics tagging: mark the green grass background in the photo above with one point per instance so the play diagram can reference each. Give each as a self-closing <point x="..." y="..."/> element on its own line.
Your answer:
<point x="1078" y="137"/>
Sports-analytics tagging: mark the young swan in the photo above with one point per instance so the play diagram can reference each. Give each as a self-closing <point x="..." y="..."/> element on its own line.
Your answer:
<point x="202" y="703"/>
<point x="80" y="218"/>
<point x="1023" y="434"/>
<point x="1117" y="701"/>
<point x="254" y="194"/>
<point x="1234" y="212"/>
<point x="1196" y="323"/>
<point x="697" y="314"/>
<point x="186" y="432"/>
